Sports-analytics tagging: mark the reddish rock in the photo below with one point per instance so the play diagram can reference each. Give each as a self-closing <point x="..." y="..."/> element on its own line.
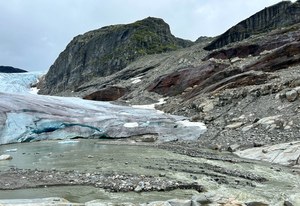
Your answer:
<point x="178" y="81"/>
<point x="228" y="79"/>
<point x="110" y="93"/>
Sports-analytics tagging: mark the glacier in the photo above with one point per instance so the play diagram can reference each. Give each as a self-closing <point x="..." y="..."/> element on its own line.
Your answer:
<point x="26" y="117"/>
<point x="18" y="83"/>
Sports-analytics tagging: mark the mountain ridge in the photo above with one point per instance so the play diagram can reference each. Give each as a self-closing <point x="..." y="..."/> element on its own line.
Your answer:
<point x="282" y="14"/>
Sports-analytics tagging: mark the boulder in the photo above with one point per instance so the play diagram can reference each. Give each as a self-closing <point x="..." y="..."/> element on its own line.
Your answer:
<point x="205" y="198"/>
<point x="233" y="148"/>
<point x="5" y="157"/>
<point x="287" y="203"/>
<point x="291" y="95"/>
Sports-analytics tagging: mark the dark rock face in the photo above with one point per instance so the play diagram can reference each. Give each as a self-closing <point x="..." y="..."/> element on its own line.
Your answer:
<point x="279" y="15"/>
<point x="106" y="51"/>
<point x="9" y="69"/>
<point x="110" y="93"/>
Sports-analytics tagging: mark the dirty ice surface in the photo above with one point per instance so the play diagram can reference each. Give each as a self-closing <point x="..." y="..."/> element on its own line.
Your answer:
<point x="26" y="117"/>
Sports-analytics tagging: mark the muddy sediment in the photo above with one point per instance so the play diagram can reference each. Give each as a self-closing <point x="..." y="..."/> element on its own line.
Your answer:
<point x="124" y="167"/>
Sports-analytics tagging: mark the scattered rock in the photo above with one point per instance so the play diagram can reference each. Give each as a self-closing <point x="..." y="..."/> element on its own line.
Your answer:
<point x="207" y="106"/>
<point x="258" y="144"/>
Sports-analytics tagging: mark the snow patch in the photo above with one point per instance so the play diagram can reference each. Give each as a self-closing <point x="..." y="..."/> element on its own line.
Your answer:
<point x="187" y="123"/>
<point x="151" y="106"/>
<point x="131" y="125"/>
<point x="136" y="80"/>
<point x="34" y="90"/>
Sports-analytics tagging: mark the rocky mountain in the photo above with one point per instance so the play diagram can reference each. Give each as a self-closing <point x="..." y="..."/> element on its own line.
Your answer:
<point x="9" y="69"/>
<point x="247" y="92"/>
<point x="105" y="51"/>
<point x="284" y="13"/>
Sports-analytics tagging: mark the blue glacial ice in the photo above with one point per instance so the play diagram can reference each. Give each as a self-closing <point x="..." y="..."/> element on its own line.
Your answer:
<point x="26" y="117"/>
<point x="18" y="82"/>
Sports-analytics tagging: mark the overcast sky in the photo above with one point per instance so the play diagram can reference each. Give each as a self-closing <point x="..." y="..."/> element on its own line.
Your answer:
<point x="34" y="32"/>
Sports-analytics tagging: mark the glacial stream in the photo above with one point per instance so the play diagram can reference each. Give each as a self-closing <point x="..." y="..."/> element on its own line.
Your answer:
<point x="95" y="156"/>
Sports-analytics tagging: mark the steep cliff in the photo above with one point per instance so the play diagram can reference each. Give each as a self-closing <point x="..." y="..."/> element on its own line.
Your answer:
<point x="108" y="50"/>
<point x="279" y="15"/>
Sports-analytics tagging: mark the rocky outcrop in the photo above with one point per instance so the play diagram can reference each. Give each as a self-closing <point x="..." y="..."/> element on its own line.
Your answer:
<point x="285" y="154"/>
<point x="279" y="15"/>
<point x="9" y="69"/>
<point x="285" y="56"/>
<point x="105" y="51"/>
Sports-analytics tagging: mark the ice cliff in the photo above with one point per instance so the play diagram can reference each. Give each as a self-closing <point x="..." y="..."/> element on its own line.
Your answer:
<point x="18" y="82"/>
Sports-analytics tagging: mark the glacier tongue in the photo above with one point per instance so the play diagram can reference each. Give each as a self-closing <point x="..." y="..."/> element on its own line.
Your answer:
<point x="18" y="82"/>
<point x="27" y="117"/>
